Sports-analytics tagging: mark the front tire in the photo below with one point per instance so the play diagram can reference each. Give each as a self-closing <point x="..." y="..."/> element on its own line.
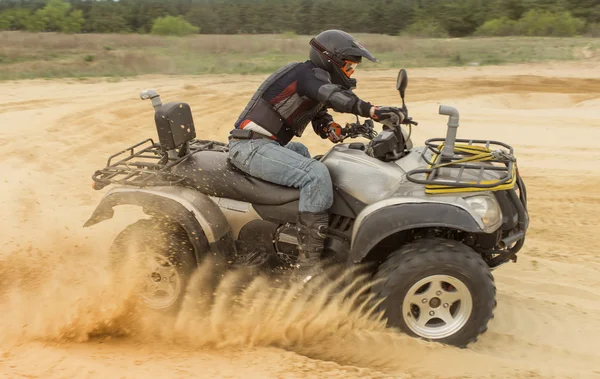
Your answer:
<point x="438" y="290"/>
<point x="163" y="261"/>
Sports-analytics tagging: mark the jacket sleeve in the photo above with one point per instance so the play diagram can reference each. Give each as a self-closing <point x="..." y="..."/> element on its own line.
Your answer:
<point x="315" y="84"/>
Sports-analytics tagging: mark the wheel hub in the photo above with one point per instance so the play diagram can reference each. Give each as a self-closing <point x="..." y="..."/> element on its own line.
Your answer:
<point x="437" y="306"/>
<point x="162" y="286"/>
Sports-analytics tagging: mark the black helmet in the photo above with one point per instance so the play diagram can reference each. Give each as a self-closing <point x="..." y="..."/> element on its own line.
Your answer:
<point x="338" y="53"/>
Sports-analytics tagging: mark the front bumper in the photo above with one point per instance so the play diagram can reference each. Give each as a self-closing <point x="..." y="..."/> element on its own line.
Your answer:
<point x="513" y="203"/>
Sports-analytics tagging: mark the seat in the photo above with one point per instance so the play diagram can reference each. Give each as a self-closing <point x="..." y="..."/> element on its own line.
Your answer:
<point x="211" y="173"/>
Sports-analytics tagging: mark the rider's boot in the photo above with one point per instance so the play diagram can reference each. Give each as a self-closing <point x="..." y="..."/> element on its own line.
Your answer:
<point x="311" y="228"/>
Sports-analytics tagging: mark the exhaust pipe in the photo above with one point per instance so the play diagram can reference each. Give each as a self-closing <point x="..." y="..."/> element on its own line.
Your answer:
<point x="452" y="112"/>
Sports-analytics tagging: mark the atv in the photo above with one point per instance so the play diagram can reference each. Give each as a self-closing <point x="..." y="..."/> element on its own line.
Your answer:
<point x="430" y="222"/>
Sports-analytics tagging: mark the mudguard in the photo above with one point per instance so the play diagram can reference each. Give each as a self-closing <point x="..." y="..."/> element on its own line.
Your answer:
<point x="374" y="225"/>
<point x="194" y="211"/>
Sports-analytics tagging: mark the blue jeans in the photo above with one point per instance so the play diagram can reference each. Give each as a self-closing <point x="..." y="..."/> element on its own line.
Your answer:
<point x="289" y="166"/>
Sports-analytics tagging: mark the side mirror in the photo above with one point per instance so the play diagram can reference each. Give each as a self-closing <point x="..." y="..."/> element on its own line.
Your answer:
<point x="402" y="82"/>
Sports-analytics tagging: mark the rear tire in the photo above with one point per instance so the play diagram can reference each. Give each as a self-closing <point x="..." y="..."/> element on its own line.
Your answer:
<point x="165" y="258"/>
<point x="438" y="290"/>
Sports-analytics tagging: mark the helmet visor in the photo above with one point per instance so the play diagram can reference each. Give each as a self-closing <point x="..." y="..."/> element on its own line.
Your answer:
<point x="356" y="50"/>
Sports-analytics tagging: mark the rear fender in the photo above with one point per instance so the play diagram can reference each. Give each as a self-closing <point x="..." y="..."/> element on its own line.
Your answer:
<point x="194" y="211"/>
<point x="380" y="221"/>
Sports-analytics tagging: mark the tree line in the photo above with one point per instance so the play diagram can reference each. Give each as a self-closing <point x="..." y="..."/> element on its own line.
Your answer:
<point x="427" y="18"/>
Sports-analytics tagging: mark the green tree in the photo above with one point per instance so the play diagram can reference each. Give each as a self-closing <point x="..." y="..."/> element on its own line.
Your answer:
<point x="106" y="17"/>
<point x="54" y="13"/>
<point x="423" y="17"/>
<point x="72" y="23"/>
<point x="140" y="14"/>
<point x="13" y="18"/>
<point x="55" y="16"/>
<point x="587" y="9"/>
<point x="307" y="17"/>
<point x="459" y="17"/>
<point x="502" y="26"/>
<point x="174" y="26"/>
<point x="201" y="17"/>
<point x="546" y="23"/>
<point x="35" y="23"/>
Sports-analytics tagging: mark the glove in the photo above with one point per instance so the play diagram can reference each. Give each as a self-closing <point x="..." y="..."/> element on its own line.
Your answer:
<point x="393" y="114"/>
<point x="334" y="131"/>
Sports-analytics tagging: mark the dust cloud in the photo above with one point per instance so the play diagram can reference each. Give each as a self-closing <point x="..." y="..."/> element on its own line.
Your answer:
<point x="63" y="289"/>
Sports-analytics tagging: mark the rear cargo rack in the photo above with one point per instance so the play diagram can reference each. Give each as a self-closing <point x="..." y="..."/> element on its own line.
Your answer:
<point x="475" y="157"/>
<point x="149" y="165"/>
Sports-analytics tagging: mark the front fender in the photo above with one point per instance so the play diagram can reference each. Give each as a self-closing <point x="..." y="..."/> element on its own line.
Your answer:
<point x="193" y="210"/>
<point x="388" y="220"/>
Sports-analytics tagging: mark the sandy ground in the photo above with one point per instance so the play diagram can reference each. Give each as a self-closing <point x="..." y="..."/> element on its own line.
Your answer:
<point x="55" y="291"/>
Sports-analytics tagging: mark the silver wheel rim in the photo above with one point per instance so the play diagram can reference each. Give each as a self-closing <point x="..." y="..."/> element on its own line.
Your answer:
<point x="437" y="306"/>
<point x="161" y="285"/>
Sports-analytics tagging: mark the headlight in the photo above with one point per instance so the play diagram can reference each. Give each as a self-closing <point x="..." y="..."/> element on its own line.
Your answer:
<point x="486" y="208"/>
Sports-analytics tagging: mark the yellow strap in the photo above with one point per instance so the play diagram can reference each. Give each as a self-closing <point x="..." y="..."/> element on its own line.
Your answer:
<point x="482" y="154"/>
<point x="467" y="148"/>
<point x="440" y="188"/>
<point x="503" y="187"/>
<point x="475" y="158"/>
<point x="479" y="154"/>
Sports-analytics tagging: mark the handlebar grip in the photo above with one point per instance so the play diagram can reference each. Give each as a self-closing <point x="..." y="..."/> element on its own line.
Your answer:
<point x="409" y="120"/>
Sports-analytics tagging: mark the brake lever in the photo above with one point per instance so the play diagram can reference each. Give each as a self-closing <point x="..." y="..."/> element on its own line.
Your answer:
<point x="409" y="121"/>
<point x="357" y="129"/>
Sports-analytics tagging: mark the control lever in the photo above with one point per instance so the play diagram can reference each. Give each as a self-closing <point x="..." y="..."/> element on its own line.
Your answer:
<point x="410" y="121"/>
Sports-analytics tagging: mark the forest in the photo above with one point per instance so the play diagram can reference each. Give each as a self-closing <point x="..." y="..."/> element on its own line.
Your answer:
<point x="418" y="18"/>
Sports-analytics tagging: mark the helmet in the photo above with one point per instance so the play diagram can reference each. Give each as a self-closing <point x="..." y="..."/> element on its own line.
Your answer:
<point x="338" y="53"/>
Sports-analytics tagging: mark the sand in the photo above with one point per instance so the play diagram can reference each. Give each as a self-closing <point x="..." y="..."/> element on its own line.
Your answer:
<point x="60" y="317"/>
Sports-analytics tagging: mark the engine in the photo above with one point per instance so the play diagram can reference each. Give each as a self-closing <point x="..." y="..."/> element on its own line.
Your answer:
<point x="263" y="243"/>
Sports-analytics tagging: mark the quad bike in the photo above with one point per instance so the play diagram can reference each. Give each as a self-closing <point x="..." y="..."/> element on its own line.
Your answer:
<point x="431" y="222"/>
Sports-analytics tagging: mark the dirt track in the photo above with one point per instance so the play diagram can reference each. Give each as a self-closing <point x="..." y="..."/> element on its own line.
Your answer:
<point x="53" y="285"/>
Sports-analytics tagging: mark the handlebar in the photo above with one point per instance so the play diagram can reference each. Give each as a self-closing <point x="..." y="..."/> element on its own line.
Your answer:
<point x="366" y="129"/>
<point x="357" y="129"/>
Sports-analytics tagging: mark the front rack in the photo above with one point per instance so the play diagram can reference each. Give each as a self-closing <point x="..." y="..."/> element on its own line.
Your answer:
<point x="149" y="165"/>
<point x="470" y="156"/>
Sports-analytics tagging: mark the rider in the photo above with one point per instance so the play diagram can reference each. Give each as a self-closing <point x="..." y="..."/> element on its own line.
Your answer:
<point x="282" y="107"/>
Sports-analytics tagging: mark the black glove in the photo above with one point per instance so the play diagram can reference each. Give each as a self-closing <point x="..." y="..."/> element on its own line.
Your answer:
<point x="393" y="114"/>
<point x="321" y="124"/>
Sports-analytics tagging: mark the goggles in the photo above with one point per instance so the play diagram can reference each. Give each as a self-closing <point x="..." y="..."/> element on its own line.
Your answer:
<point x="349" y="67"/>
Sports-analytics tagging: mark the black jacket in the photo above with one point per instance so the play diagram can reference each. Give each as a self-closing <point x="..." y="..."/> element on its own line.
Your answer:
<point x="296" y="96"/>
